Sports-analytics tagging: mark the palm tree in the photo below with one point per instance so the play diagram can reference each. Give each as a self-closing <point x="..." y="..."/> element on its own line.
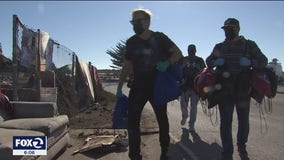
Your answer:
<point x="117" y="55"/>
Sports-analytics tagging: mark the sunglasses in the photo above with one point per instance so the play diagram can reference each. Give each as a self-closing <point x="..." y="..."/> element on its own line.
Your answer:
<point x="137" y="21"/>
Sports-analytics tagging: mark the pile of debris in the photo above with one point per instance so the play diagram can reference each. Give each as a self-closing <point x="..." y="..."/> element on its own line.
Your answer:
<point x="70" y="100"/>
<point x="103" y="140"/>
<point x="6" y="73"/>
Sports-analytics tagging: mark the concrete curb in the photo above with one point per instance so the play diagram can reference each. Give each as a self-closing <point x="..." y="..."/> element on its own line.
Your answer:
<point x="281" y="92"/>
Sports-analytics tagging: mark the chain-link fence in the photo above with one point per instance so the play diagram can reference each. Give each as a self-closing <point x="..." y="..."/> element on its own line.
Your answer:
<point x="39" y="61"/>
<point x="25" y="56"/>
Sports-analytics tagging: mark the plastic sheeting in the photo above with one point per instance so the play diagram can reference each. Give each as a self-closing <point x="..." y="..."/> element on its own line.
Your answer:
<point x="87" y="74"/>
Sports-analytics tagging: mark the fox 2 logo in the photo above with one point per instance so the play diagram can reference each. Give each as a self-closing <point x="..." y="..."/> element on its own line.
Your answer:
<point x="29" y="142"/>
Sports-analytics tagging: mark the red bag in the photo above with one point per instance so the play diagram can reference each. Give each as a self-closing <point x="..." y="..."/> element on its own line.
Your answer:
<point x="260" y="82"/>
<point x="204" y="82"/>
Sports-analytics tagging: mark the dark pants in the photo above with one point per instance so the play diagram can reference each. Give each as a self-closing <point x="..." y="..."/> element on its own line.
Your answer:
<point x="140" y="93"/>
<point x="226" y="109"/>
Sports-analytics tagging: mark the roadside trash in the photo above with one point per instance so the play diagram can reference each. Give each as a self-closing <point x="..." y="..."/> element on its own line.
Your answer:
<point x="98" y="141"/>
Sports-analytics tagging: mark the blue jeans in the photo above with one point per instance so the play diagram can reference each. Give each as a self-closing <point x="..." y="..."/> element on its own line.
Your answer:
<point x="184" y="99"/>
<point x="226" y="109"/>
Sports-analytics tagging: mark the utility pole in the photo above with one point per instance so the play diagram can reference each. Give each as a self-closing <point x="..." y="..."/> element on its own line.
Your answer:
<point x="1" y="51"/>
<point x="15" y="59"/>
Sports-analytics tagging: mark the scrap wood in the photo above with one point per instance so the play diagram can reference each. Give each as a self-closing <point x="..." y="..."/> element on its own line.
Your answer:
<point x="96" y="142"/>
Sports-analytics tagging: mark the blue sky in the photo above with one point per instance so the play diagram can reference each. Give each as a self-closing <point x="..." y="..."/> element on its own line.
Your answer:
<point x="89" y="28"/>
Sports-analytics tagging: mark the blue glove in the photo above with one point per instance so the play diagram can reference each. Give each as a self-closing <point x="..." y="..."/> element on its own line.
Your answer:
<point x="244" y="61"/>
<point x="119" y="93"/>
<point x="162" y="66"/>
<point x="219" y="62"/>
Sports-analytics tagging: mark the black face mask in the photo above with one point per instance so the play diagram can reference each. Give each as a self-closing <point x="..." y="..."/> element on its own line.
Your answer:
<point x="230" y="33"/>
<point x="138" y="29"/>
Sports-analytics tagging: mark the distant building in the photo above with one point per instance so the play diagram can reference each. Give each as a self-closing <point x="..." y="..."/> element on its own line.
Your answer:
<point x="277" y="68"/>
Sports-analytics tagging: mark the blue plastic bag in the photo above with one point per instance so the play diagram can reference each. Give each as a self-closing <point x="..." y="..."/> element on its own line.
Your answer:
<point x="176" y="71"/>
<point x="120" y="119"/>
<point x="167" y="85"/>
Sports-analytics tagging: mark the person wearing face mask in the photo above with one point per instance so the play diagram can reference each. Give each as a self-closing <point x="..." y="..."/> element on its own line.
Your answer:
<point x="147" y="53"/>
<point x="192" y="64"/>
<point x="233" y="59"/>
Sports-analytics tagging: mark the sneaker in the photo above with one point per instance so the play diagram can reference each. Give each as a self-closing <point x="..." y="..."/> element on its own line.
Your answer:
<point x="164" y="154"/>
<point x="243" y="153"/>
<point x="139" y="157"/>
<point x="164" y="157"/>
<point x="227" y="158"/>
<point x="183" y="121"/>
<point x="191" y="129"/>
